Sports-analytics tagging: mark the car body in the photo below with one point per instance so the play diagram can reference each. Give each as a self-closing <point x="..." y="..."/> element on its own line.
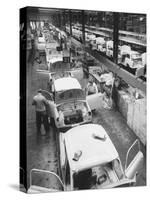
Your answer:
<point x="101" y="44"/>
<point x="41" y="43"/>
<point x="133" y="59"/>
<point x="52" y="55"/>
<point x="76" y="33"/>
<point x="68" y="106"/>
<point x="88" y="147"/>
<point x="89" y="160"/>
<point x="88" y="36"/>
<point x="130" y="58"/>
<point x="93" y="102"/>
<point x="91" y="37"/>
<point x="109" y="49"/>
<point x="41" y="39"/>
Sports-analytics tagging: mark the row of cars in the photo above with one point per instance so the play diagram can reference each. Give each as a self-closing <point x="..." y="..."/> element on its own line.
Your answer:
<point x="88" y="158"/>
<point x="127" y="57"/>
<point x="50" y="47"/>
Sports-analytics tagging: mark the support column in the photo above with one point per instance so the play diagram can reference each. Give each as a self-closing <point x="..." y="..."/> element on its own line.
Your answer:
<point x="70" y="22"/>
<point x="59" y="21"/>
<point x="83" y="26"/>
<point x="115" y="36"/>
<point x="64" y="20"/>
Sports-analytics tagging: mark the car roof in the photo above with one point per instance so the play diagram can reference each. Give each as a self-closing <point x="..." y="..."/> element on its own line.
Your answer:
<point x="94" y="151"/>
<point x="66" y="83"/>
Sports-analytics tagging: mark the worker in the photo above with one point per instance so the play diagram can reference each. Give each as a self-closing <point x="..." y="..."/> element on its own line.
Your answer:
<point x="109" y="81"/>
<point x="40" y="103"/>
<point x="91" y="88"/>
<point x="115" y="88"/>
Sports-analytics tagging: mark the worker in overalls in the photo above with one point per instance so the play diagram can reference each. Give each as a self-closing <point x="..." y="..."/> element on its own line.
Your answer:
<point x="40" y="103"/>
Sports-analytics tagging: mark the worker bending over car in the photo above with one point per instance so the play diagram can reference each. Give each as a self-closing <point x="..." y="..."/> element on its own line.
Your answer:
<point x="91" y="87"/>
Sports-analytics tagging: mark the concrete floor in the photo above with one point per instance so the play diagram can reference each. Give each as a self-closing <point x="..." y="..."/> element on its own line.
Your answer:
<point x="42" y="150"/>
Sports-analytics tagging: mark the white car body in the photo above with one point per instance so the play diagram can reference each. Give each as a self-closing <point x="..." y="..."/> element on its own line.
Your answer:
<point x="95" y="151"/>
<point x="69" y="107"/>
<point x="52" y="56"/>
<point x="41" y="43"/>
<point x="76" y="33"/>
<point x="101" y="44"/>
<point x="88" y="147"/>
<point x="93" y="101"/>
<point x="92" y="37"/>
<point x="87" y="36"/>
<point x="132" y="59"/>
<point x="109" y="49"/>
<point x="94" y="45"/>
<point x="41" y="39"/>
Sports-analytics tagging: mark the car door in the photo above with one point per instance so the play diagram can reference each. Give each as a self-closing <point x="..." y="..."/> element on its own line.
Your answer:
<point x="95" y="101"/>
<point x="55" y="183"/>
<point x="133" y="166"/>
<point x="77" y="73"/>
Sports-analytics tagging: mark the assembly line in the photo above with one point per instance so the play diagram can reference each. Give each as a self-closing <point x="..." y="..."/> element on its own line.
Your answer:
<point x="91" y="133"/>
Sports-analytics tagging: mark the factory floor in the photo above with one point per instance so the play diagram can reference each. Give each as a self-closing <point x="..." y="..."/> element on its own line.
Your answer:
<point x="42" y="150"/>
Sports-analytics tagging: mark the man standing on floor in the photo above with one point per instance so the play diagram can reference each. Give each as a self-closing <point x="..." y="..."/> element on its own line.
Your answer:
<point x="40" y="103"/>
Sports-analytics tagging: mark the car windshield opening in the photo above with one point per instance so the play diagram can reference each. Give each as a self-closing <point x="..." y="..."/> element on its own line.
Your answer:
<point x="69" y="95"/>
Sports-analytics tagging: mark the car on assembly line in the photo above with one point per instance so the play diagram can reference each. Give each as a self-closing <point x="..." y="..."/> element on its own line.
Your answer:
<point x="109" y="49"/>
<point x="133" y="59"/>
<point x="129" y="58"/>
<point x="52" y="55"/>
<point x="67" y="102"/>
<point x="89" y="160"/>
<point x="101" y="44"/>
<point x="40" y="43"/>
<point x="66" y="83"/>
